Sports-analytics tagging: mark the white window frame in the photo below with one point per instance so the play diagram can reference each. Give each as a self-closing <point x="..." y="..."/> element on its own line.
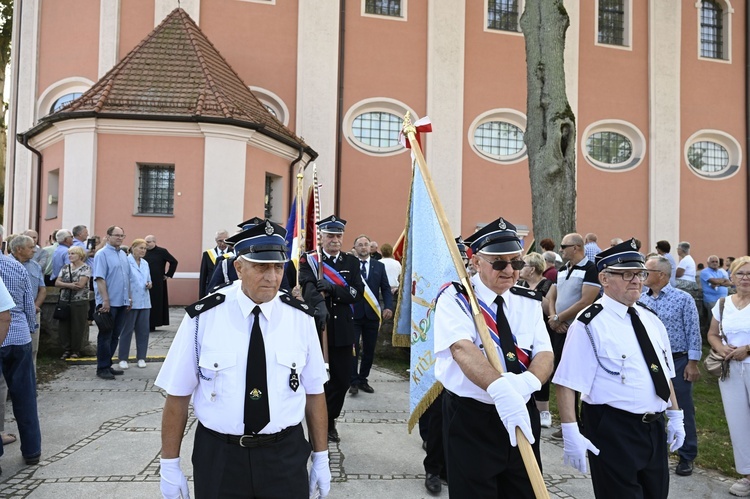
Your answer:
<point x="137" y="199"/>
<point x="376" y="104"/>
<point x="627" y="31"/>
<point x="630" y="131"/>
<point x="58" y="89"/>
<point x="270" y="99"/>
<point x="727" y="27"/>
<point x="507" y="115"/>
<point x="485" y="20"/>
<point x="725" y="140"/>
<point x="404" y="10"/>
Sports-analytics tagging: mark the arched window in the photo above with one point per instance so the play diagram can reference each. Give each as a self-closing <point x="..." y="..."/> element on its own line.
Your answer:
<point x="499" y="138"/>
<point x="377" y="129"/>
<point x="712" y="29"/>
<point x="708" y="157"/>
<point x="613" y="145"/>
<point x="610" y="148"/>
<point x="713" y="154"/>
<point x="62" y="101"/>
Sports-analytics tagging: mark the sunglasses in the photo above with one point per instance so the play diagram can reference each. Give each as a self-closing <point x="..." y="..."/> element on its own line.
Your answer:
<point x="501" y="264"/>
<point x="564" y="246"/>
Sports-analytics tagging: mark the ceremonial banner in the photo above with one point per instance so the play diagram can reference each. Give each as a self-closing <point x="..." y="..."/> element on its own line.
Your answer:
<point x="292" y="235"/>
<point x="427" y="268"/>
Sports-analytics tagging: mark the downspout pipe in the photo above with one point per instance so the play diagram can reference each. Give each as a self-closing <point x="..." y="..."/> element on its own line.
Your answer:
<point x="340" y="108"/>
<point x="293" y="176"/>
<point x="24" y="140"/>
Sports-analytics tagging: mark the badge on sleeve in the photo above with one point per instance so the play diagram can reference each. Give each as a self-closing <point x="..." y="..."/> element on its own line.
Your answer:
<point x="294" y="378"/>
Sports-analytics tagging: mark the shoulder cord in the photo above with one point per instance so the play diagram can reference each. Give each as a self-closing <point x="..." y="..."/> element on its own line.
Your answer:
<point x="225" y="270"/>
<point x="596" y="354"/>
<point x="197" y="361"/>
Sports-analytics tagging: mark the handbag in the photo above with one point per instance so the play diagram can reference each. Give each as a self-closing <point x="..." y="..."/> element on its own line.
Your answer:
<point x="62" y="309"/>
<point x="714" y="363"/>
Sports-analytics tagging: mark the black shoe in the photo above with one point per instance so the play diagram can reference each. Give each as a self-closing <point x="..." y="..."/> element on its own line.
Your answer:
<point x="116" y="372"/>
<point x="684" y="467"/>
<point x="432" y="483"/>
<point x="105" y="375"/>
<point x="365" y="387"/>
<point x="32" y="461"/>
<point x="353" y="390"/>
<point x="333" y="436"/>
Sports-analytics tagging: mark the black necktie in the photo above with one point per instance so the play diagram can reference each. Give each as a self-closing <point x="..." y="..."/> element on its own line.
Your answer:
<point x="257" y="413"/>
<point x="363" y="271"/>
<point x="506" y="339"/>
<point x="652" y="361"/>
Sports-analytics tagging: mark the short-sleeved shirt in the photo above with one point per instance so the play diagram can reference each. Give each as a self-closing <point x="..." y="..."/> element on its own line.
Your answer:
<point x="111" y="264"/>
<point x="677" y="311"/>
<point x="35" y="275"/>
<point x="392" y="270"/>
<point x="628" y="385"/>
<point x="735" y="323"/>
<point x="452" y="324"/>
<point x="41" y="257"/>
<point x="291" y="343"/>
<point x="23" y="315"/>
<point x="140" y="275"/>
<point x="673" y="277"/>
<point x="71" y="274"/>
<point x="687" y="264"/>
<point x="570" y="282"/>
<point x="6" y="301"/>
<point x="712" y="294"/>
<point x="60" y="258"/>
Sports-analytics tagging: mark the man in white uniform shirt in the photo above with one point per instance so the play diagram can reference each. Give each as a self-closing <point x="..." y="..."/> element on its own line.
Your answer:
<point x="617" y="354"/>
<point x="481" y="408"/>
<point x="250" y="358"/>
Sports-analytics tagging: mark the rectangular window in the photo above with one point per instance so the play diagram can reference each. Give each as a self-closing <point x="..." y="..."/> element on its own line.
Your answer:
<point x="155" y="189"/>
<point x="612" y="22"/>
<point x="712" y="30"/>
<point x="390" y="8"/>
<point x="502" y="15"/>
<point x="268" y="199"/>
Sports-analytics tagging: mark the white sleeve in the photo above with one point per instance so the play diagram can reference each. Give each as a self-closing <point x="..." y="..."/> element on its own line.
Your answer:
<point x="179" y="374"/>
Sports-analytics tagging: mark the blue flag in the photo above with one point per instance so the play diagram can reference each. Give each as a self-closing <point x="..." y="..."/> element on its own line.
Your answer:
<point x="427" y="268"/>
<point x="292" y="238"/>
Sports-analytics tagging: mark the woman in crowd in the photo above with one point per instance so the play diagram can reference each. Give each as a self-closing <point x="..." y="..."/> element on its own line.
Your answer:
<point x="735" y="324"/>
<point x="74" y="281"/>
<point x="140" y="283"/>
<point x="532" y="278"/>
<point x="392" y="267"/>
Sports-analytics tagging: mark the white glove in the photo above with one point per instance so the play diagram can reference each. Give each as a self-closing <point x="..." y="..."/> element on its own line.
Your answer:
<point x="675" y="429"/>
<point x="511" y="408"/>
<point x="173" y="483"/>
<point x="525" y="384"/>
<point x="575" y="446"/>
<point x="320" y="475"/>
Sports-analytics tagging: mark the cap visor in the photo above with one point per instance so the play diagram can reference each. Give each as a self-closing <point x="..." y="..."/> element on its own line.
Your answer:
<point x="503" y="248"/>
<point x="265" y="257"/>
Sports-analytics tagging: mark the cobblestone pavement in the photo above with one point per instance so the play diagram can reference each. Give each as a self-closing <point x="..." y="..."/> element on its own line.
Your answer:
<point x="101" y="439"/>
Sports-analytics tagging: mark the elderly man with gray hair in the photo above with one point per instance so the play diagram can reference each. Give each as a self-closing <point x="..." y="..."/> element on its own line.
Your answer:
<point x="550" y="261"/>
<point x="60" y="257"/>
<point x="22" y="249"/>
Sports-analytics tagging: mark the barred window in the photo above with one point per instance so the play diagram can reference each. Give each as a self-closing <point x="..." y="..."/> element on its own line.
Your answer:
<point x="377" y="129"/>
<point x="156" y="189"/>
<point x="502" y="15"/>
<point x="383" y="7"/>
<point x="62" y="101"/>
<point x="712" y="30"/>
<point x="499" y="138"/>
<point x="708" y="157"/>
<point x="609" y="148"/>
<point x="268" y="198"/>
<point x="612" y="22"/>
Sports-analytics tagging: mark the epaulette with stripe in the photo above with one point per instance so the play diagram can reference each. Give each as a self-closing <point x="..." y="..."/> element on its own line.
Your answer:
<point x="459" y="287"/>
<point x="206" y="303"/>
<point x="528" y="293"/>
<point x="587" y="315"/>
<point x="295" y="303"/>
<point x="646" y="307"/>
<point x="220" y="286"/>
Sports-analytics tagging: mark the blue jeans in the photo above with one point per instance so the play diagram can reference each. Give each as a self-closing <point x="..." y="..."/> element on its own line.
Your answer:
<point x="137" y="321"/>
<point x="106" y="341"/>
<point x="683" y="390"/>
<point x="18" y="369"/>
<point x="368" y="331"/>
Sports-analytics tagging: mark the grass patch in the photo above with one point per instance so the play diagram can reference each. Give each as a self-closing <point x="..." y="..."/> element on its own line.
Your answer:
<point x="48" y="368"/>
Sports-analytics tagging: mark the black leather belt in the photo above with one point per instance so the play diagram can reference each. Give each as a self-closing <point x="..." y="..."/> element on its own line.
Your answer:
<point x="678" y="355"/>
<point x="648" y="417"/>
<point x="250" y="441"/>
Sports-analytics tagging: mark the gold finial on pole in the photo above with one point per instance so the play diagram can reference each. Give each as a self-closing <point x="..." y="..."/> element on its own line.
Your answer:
<point x="408" y="126"/>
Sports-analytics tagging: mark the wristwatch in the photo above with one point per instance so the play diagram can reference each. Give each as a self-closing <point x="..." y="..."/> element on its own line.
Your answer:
<point x="555" y="318"/>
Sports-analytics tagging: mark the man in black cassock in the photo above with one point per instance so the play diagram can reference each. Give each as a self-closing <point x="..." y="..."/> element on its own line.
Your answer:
<point x="158" y="258"/>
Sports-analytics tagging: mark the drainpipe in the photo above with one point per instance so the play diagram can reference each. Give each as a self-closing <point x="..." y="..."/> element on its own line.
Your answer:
<point x="24" y="140"/>
<point x="293" y="175"/>
<point x="340" y="108"/>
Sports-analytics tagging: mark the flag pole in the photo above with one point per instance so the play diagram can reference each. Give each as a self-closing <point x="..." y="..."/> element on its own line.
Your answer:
<point x="316" y="202"/>
<point x="298" y="220"/>
<point x="527" y="453"/>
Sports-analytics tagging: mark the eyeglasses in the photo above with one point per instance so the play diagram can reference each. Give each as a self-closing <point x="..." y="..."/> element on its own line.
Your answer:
<point x="742" y="275"/>
<point x="629" y="275"/>
<point x="501" y="264"/>
<point x="117" y="235"/>
<point x="563" y="246"/>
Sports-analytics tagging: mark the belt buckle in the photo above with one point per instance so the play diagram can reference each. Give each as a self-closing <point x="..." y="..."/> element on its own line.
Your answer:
<point x="647" y="417"/>
<point x="250" y="437"/>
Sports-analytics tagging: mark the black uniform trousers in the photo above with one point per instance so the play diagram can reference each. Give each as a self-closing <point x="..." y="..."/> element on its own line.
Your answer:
<point x="633" y="458"/>
<point x="434" y="461"/>
<point x="224" y="470"/>
<point x="481" y="462"/>
<point x="340" y="370"/>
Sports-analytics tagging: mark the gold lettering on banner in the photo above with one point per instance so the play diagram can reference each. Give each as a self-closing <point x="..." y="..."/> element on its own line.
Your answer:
<point x="423" y="364"/>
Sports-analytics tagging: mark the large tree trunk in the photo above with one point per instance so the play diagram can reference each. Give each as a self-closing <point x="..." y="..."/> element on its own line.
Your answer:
<point x="550" y="130"/>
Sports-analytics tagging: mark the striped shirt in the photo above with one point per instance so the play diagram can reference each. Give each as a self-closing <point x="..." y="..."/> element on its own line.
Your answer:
<point x="23" y="315"/>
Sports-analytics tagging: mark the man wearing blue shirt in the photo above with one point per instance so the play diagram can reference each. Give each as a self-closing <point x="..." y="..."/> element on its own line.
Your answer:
<point x="677" y="310"/>
<point x="112" y="286"/>
<point x="60" y="256"/>
<point x="715" y="283"/>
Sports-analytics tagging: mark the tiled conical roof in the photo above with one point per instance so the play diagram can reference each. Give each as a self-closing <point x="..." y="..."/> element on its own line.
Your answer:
<point x="176" y="73"/>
